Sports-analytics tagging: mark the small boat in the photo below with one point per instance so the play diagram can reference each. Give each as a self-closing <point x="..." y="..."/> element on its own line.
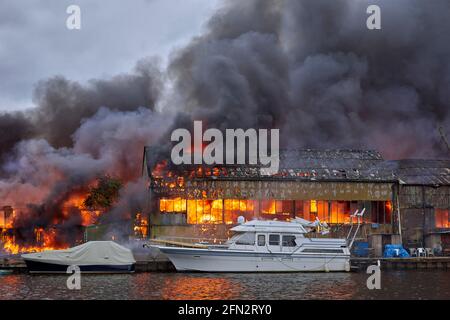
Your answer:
<point x="90" y="257"/>
<point x="263" y="246"/>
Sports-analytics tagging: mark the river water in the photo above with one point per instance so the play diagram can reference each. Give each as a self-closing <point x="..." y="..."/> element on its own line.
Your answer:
<point x="409" y="284"/>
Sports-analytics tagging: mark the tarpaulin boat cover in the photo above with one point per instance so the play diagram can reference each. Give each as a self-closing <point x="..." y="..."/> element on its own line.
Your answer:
<point x="89" y="253"/>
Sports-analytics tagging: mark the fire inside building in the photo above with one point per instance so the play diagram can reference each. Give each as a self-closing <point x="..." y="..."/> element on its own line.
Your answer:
<point x="406" y="201"/>
<point x="406" y="198"/>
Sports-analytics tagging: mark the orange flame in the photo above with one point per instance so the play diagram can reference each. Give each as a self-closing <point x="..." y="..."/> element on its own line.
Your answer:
<point x="45" y="239"/>
<point x="89" y="217"/>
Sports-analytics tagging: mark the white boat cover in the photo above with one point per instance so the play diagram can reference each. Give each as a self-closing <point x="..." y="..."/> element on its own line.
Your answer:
<point x="89" y="253"/>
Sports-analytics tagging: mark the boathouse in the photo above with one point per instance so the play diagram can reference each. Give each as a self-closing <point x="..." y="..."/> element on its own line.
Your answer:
<point x="424" y="202"/>
<point x="326" y="184"/>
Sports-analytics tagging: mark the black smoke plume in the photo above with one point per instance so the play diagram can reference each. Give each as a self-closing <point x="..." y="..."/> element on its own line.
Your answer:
<point x="310" y="68"/>
<point x="314" y="70"/>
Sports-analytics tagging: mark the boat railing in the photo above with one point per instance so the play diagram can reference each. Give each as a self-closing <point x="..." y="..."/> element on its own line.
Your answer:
<point x="188" y="241"/>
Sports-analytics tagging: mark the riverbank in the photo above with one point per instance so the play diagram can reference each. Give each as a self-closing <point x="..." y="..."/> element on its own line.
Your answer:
<point x="160" y="264"/>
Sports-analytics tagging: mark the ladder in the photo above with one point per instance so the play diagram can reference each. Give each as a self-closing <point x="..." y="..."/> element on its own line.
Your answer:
<point x="351" y="238"/>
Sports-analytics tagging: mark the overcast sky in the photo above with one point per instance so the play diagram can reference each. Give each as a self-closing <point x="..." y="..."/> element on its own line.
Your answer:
<point x="35" y="43"/>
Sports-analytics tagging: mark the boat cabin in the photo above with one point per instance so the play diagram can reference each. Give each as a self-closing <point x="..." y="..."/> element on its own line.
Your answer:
<point x="266" y="236"/>
<point x="278" y="236"/>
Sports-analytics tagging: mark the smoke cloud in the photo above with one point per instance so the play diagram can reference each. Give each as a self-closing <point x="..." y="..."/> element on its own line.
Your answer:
<point x="42" y="178"/>
<point x="310" y="68"/>
<point x="313" y="69"/>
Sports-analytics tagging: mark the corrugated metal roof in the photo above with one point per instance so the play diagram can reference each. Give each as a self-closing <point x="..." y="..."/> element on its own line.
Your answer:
<point x="419" y="171"/>
<point x="331" y="165"/>
<point x="342" y="164"/>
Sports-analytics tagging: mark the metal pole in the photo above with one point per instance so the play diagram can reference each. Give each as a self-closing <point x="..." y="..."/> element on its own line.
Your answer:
<point x="424" y="216"/>
<point x="399" y="215"/>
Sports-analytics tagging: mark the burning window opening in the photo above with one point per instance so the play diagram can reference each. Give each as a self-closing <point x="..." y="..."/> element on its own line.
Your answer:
<point x="140" y="226"/>
<point x="442" y="218"/>
<point x="227" y="211"/>
<point x="7" y="218"/>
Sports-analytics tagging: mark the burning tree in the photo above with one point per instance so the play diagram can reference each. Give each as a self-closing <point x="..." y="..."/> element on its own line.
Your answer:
<point x="121" y="209"/>
<point x="104" y="194"/>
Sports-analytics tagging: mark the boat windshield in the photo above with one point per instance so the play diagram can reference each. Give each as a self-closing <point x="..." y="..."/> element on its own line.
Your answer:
<point x="242" y="238"/>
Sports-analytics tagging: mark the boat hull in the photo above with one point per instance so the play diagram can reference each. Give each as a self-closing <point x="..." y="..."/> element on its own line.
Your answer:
<point x="204" y="260"/>
<point x="45" y="267"/>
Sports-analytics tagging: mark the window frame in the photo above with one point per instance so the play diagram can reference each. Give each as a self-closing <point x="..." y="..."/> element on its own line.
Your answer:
<point x="246" y="235"/>
<point x="279" y="239"/>
<point x="292" y="241"/>
<point x="258" y="243"/>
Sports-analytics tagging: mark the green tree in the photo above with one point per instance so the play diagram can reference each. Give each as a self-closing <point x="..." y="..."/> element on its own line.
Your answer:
<point x="104" y="194"/>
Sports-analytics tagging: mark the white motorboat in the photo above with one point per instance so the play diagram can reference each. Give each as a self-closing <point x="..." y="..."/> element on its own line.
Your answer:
<point x="264" y="246"/>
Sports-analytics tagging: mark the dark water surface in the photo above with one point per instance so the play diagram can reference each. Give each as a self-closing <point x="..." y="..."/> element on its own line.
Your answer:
<point x="395" y="285"/>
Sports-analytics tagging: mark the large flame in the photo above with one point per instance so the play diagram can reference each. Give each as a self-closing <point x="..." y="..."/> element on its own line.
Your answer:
<point x="89" y="217"/>
<point x="45" y="240"/>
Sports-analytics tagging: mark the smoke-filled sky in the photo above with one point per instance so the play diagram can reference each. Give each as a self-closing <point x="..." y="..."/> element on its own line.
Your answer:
<point x="311" y="68"/>
<point x="79" y="104"/>
<point x="35" y="43"/>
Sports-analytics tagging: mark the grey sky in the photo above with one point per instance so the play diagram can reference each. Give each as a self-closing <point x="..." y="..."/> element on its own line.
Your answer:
<point x="35" y="43"/>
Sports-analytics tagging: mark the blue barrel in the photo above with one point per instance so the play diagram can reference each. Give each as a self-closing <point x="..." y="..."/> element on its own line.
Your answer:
<point x="361" y="249"/>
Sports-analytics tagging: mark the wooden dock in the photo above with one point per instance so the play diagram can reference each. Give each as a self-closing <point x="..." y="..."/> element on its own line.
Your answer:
<point x="14" y="264"/>
<point x="357" y="264"/>
<point x="157" y="265"/>
<point x="422" y="263"/>
<point x="154" y="266"/>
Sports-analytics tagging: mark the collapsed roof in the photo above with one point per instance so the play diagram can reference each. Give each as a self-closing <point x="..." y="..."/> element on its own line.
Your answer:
<point x="324" y="165"/>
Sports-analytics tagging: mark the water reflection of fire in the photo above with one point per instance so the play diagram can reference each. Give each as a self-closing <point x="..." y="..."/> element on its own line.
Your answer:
<point x="200" y="288"/>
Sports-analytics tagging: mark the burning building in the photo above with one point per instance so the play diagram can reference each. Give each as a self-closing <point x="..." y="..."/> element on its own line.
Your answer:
<point x="410" y="198"/>
<point x="259" y="64"/>
<point x="329" y="185"/>
<point x="36" y="233"/>
<point x="424" y="202"/>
